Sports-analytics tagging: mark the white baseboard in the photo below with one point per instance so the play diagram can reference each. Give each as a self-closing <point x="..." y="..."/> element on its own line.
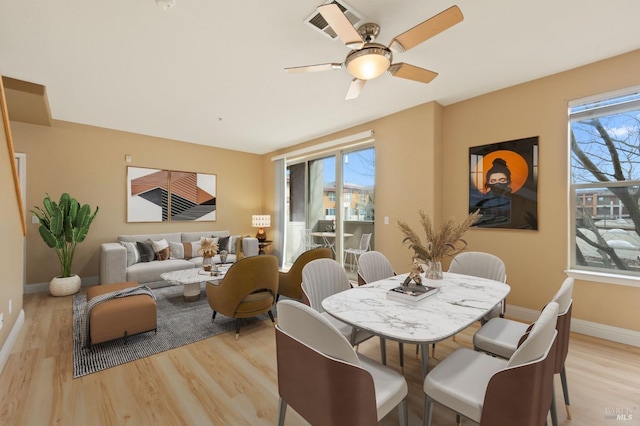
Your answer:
<point x="44" y="287"/>
<point x="11" y="340"/>
<point x="594" y="329"/>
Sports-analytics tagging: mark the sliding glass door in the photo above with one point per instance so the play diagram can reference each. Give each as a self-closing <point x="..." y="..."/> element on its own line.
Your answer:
<point x="330" y="201"/>
<point x="358" y="202"/>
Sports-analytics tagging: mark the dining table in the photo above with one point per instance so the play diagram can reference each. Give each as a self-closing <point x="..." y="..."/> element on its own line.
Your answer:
<point x="460" y="300"/>
<point x="329" y="238"/>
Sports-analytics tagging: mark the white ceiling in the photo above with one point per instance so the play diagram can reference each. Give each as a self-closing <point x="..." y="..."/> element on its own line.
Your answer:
<point x="211" y="72"/>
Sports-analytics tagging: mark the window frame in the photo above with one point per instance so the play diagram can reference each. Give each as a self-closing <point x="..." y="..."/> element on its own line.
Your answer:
<point x="586" y="273"/>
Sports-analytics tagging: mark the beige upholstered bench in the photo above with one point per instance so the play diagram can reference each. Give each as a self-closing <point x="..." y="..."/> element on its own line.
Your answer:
<point x="120" y="317"/>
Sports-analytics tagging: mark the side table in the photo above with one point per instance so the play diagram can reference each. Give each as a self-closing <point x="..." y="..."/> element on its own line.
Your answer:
<point x="263" y="244"/>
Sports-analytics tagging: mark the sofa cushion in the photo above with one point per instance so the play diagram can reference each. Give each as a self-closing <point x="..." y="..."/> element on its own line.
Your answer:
<point x="188" y="237"/>
<point x="173" y="236"/>
<point x="150" y="271"/>
<point x="133" y="255"/>
<point x="146" y="252"/>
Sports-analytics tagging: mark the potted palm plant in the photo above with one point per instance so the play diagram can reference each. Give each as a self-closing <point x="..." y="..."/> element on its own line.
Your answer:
<point x="63" y="225"/>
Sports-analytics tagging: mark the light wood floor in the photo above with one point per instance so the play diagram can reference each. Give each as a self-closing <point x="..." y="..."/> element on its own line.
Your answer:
<point x="220" y="381"/>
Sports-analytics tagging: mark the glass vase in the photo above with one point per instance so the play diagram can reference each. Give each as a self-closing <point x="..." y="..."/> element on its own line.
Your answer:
<point x="434" y="271"/>
<point x="207" y="263"/>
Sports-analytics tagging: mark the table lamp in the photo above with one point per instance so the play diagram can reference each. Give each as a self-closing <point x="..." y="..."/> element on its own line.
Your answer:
<point x="261" y="221"/>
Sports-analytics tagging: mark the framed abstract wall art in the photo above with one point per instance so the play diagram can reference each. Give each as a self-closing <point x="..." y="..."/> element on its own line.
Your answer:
<point x="155" y="195"/>
<point x="503" y="184"/>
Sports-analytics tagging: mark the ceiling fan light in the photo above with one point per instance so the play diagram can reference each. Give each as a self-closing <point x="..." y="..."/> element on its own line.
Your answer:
<point x="369" y="62"/>
<point x="165" y="4"/>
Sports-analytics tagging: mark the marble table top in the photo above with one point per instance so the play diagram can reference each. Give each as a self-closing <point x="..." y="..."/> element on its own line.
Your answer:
<point x="460" y="301"/>
<point x="194" y="276"/>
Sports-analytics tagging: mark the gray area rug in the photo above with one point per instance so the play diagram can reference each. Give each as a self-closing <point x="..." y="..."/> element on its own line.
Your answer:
<point x="179" y="323"/>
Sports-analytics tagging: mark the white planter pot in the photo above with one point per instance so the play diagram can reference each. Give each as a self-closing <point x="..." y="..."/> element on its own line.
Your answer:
<point x="64" y="286"/>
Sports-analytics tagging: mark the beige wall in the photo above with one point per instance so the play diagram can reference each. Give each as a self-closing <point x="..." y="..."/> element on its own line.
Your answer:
<point x="536" y="260"/>
<point x="11" y="251"/>
<point x="422" y="163"/>
<point x="89" y="163"/>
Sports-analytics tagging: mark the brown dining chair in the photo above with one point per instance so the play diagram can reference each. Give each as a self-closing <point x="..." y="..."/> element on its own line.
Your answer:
<point x="324" y="380"/>
<point x="494" y="391"/>
<point x="501" y="337"/>
<point x="248" y="289"/>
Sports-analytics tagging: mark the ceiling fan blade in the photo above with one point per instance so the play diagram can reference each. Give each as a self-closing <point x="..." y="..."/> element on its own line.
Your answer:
<point x="355" y="88"/>
<point x="315" y="68"/>
<point x="411" y="72"/>
<point x="341" y="25"/>
<point x="424" y="31"/>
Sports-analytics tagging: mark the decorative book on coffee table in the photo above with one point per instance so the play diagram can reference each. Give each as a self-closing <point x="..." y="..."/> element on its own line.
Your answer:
<point x="411" y="294"/>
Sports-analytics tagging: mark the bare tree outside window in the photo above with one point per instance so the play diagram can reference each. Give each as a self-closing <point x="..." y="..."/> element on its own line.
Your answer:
<point x="605" y="181"/>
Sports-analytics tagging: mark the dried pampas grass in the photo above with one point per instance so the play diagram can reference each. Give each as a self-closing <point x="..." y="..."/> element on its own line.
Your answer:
<point x="446" y="241"/>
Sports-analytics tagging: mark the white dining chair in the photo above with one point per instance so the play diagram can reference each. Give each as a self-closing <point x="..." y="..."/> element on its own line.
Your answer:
<point x="483" y="265"/>
<point x="494" y="391"/>
<point x="322" y="278"/>
<point x="355" y="253"/>
<point x="322" y="377"/>
<point x="374" y="266"/>
<point x="306" y="241"/>
<point x="501" y="337"/>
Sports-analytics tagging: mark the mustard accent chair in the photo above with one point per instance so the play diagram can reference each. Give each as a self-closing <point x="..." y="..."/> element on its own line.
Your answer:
<point x="290" y="282"/>
<point x="248" y="289"/>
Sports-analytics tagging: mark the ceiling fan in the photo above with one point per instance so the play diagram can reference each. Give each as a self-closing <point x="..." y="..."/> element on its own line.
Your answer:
<point x="368" y="60"/>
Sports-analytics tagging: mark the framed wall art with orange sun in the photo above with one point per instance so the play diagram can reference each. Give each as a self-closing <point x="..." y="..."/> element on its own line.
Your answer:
<point x="503" y="184"/>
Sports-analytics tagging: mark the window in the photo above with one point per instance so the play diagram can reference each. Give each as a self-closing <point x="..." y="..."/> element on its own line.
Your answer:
<point x="332" y="196"/>
<point x="605" y="166"/>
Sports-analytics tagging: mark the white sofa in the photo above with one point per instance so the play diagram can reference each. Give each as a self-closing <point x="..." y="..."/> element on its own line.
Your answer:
<point x="119" y="264"/>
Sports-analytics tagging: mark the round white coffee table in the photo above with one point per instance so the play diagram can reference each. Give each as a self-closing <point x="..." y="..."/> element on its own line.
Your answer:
<point x="192" y="279"/>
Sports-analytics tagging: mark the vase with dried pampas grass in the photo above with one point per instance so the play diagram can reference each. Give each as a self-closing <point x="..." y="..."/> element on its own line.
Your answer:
<point x="445" y="241"/>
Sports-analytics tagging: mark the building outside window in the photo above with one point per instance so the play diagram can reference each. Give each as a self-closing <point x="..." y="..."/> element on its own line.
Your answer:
<point x="605" y="166"/>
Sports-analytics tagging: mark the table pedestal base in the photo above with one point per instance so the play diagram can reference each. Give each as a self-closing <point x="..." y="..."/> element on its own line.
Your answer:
<point x="191" y="292"/>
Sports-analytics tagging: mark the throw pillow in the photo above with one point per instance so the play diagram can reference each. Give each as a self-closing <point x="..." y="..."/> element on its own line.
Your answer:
<point x="133" y="255"/>
<point x="146" y="251"/>
<point x="161" y="249"/>
<point x="163" y="254"/>
<point x="223" y="244"/>
<point x="176" y="250"/>
<point x="191" y="249"/>
<point x="159" y="245"/>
